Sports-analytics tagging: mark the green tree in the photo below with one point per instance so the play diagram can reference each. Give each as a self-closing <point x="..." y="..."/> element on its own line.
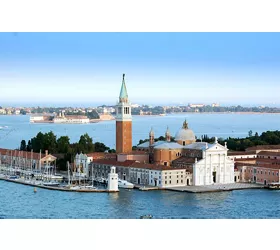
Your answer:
<point x="250" y="133"/>
<point x="100" y="147"/>
<point x="63" y="145"/>
<point x="85" y="144"/>
<point x="23" y="145"/>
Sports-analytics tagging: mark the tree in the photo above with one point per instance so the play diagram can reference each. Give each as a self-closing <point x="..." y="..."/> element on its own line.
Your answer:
<point x="63" y="145"/>
<point x="250" y="133"/>
<point x="29" y="146"/>
<point x="50" y="143"/>
<point x="23" y="145"/>
<point x="85" y="144"/>
<point x="100" y="147"/>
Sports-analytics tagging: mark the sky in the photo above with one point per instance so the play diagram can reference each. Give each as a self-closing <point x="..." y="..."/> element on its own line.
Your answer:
<point x="85" y="69"/>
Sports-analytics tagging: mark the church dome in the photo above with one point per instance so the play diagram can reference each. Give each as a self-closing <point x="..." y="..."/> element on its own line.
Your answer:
<point x="185" y="134"/>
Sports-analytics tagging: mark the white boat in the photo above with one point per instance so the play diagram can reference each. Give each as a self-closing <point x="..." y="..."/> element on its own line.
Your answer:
<point x="125" y="184"/>
<point x="51" y="184"/>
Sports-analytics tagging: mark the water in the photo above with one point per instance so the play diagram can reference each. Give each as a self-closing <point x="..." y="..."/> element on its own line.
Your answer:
<point x="19" y="201"/>
<point x="15" y="128"/>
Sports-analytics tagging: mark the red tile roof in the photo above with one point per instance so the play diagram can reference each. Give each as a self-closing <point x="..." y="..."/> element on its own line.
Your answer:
<point x="269" y="153"/>
<point x="24" y="154"/>
<point x="132" y="164"/>
<point x="260" y="147"/>
<point x="232" y="153"/>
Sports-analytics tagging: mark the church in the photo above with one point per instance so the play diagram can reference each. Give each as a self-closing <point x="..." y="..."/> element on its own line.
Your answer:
<point x="164" y="163"/>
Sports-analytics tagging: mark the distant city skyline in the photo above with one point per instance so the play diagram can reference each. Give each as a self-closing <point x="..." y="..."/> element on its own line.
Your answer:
<point x="86" y="69"/>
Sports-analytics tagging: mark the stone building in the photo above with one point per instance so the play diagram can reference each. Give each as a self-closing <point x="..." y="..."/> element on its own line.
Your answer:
<point x="142" y="174"/>
<point x="26" y="160"/>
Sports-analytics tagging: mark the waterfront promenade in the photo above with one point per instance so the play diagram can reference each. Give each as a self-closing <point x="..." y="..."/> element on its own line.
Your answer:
<point x="216" y="187"/>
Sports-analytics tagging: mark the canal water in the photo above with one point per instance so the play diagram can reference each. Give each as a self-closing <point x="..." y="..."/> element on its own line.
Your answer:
<point x="19" y="201"/>
<point x="15" y="128"/>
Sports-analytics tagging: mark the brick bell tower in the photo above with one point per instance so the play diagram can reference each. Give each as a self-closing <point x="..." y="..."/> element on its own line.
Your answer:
<point x="123" y="122"/>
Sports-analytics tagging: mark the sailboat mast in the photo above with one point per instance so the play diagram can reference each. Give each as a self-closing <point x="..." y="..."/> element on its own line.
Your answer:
<point x="40" y="166"/>
<point x="68" y="173"/>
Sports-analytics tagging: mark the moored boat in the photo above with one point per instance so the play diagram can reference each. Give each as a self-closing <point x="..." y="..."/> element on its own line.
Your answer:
<point x="274" y="186"/>
<point x="125" y="184"/>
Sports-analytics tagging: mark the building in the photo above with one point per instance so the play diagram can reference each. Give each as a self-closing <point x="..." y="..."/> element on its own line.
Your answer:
<point x="26" y="160"/>
<point x="142" y="174"/>
<point x="71" y="119"/>
<point x="82" y="162"/>
<point x="164" y="163"/>
<point x="123" y="122"/>
<point x="259" y="148"/>
<point x="214" y="105"/>
<point x="196" y="105"/>
<point x="264" y="169"/>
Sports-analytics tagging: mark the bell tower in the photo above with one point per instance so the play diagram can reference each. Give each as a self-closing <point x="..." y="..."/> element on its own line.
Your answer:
<point x="123" y="122"/>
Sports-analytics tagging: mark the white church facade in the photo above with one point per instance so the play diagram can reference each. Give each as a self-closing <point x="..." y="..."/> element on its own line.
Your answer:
<point x="215" y="167"/>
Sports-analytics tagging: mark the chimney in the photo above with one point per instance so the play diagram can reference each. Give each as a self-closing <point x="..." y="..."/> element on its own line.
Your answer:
<point x="46" y="152"/>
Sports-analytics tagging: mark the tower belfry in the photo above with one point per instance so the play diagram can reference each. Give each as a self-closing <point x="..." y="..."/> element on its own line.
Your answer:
<point x="123" y="122"/>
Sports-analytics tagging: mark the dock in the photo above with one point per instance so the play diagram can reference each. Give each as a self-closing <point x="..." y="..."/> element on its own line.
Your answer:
<point x="65" y="189"/>
<point x="216" y="187"/>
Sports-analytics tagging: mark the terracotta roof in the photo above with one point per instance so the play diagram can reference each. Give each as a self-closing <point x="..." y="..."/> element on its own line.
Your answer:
<point x="269" y="153"/>
<point x="132" y="164"/>
<point x="24" y="154"/>
<point x="230" y="153"/>
<point x="184" y="159"/>
<point x="260" y="147"/>
<point x="100" y="155"/>
<point x="134" y="153"/>
<point x="113" y="162"/>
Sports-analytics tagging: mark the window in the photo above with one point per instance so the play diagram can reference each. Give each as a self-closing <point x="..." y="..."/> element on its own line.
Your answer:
<point x="184" y="143"/>
<point x="169" y="182"/>
<point x="159" y="182"/>
<point x="169" y="177"/>
<point x="165" y="177"/>
<point x="165" y="182"/>
<point x="151" y="181"/>
<point x="177" y="181"/>
<point x="181" y="181"/>
<point x="261" y="172"/>
<point x="177" y="176"/>
<point x="272" y="173"/>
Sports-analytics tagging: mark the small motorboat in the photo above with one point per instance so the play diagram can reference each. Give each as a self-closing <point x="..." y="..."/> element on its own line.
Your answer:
<point x="51" y="184"/>
<point x="147" y="216"/>
<point x="125" y="184"/>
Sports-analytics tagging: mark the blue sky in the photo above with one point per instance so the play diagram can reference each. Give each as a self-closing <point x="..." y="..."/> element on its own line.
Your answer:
<point x="161" y="68"/>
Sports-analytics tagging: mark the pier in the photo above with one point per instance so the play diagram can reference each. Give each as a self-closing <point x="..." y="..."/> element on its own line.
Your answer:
<point x="216" y="187"/>
<point x="62" y="188"/>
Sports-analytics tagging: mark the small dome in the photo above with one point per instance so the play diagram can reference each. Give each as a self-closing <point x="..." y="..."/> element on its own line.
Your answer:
<point x="185" y="134"/>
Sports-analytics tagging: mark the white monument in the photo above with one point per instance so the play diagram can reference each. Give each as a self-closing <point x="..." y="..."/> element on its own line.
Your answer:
<point x="113" y="180"/>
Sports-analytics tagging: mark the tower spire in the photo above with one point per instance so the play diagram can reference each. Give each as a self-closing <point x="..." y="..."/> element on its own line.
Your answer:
<point x="123" y="93"/>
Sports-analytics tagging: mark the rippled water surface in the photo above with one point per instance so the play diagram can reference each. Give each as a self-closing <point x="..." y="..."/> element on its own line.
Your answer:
<point x="19" y="201"/>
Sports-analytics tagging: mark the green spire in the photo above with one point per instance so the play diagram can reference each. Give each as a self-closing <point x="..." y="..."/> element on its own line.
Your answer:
<point x="123" y="93"/>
